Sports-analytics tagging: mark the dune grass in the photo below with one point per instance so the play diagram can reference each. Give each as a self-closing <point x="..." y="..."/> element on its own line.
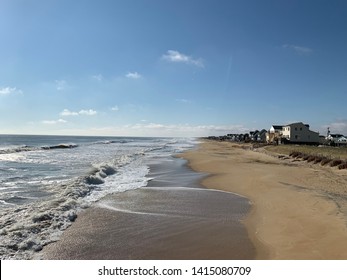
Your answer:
<point x="328" y="152"/>
<point x="325" y="156"/>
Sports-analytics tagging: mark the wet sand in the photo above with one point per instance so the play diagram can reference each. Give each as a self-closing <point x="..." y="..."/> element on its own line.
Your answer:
<point x="298" y="211"/>
<point x="174" y="217"/>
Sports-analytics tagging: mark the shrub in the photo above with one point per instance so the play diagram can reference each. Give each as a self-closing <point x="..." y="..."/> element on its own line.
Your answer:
<point x="300" y="155"/>
<point x="343" y="165"/>
<point x="311" y="158"/>
<point x="335" y="162"/>
<point x="318" y="159"/>
<point x="325" y="161"/>
<point x="294" y="154"/>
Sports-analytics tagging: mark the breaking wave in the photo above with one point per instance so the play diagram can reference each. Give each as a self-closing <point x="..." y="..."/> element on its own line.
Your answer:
<point x="17" y="149"/>
<point x="60" y="146"/>
<point x="25" y="148"/>
<point x="27" y="228"/>
<point x="29" y="220"/>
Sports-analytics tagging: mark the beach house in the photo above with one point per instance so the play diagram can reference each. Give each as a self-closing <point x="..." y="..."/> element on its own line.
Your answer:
<point x="259" y="136"/>
<point x="342" y="141"/>
<point x="299" y="133"/>
<point x="333" y="137"/>
<point x="274" y="134"/>
<point x="336" y="139"/>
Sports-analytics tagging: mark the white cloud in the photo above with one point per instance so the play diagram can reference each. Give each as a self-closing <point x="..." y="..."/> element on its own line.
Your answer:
<point x="151" y="129"/>
<point x="177" y="57"/>
<point x="336" y="127"/>
<point x="54" y="121"/>
<point x="158" y="126"/>
<point x="89" y="112"/>
<point x="67" y="112"/>
<point x="133" y="75"/>
<point x="298" y="49"/>
<point x="60" y="84"/>
<point x="98" y="77"/>
<point x="9" y="90"/>
<point x="181" y="130"/>
<point x="115" y="108"/>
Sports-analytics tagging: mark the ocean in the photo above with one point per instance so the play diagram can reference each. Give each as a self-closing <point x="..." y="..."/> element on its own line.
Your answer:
<point x="46" y="180"/>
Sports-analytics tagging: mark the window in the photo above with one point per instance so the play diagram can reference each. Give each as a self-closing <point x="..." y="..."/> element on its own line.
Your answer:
<point x="296" y="137"/>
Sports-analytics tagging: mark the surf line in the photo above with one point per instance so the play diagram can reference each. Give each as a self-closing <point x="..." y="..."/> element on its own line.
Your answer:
<point x="105" y="206"/>
<point x="192" y="189"/>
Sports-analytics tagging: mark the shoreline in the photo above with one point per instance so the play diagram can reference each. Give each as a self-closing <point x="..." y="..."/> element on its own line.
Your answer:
<point x="298" y="212"/>
<point x="173" y="217"/>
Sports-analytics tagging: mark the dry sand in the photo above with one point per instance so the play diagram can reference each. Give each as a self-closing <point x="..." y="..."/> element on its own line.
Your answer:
<point x="298" y="210"/>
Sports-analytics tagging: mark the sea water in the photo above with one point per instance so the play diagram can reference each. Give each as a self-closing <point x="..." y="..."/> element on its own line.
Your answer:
<point x="46" y="180"/>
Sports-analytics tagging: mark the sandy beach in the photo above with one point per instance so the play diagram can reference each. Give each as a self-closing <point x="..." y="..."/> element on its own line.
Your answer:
<point x="298" y="210"/>
<point x="287" y="210"/>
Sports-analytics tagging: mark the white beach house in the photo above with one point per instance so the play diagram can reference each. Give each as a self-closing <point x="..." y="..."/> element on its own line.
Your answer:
<point x="274" y="134"/>
<point x="337" y="139"/>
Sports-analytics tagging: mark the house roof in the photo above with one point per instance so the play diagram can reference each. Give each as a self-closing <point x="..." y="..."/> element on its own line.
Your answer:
<point x="297" y="123"/>
<point x="336" y="135"/>
<point x="277" y="126"/>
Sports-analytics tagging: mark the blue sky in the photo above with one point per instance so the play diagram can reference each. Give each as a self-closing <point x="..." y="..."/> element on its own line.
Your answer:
<point x="171" y="68"/>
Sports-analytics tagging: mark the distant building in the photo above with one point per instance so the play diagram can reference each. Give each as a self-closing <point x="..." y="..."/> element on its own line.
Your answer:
<point x="276" y="128"/>
<point x="333" y="137"/>
<point x="259" y="136"/>
<point x="292" y="133"/>
<point x="336" y="140"/>
<point x="299" y="133"/>
<point x="274" y="134"/>
<point x="342" y="141"/>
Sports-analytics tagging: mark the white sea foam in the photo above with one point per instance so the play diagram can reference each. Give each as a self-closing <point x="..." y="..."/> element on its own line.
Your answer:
<point x="42" y="190"/>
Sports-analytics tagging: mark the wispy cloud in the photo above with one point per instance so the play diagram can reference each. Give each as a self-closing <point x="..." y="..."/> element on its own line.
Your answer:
<point x="54" y="121"/>
<point x="146" y="128"/>
<point x="298" y="49"/>
<point x="9" y="90"/>
<point x="67" y="112"/>
<point x="183" y="129"/>
<point x="60" y="85"/>
<point x="133" y="75"/>
<point x="338" y="126"/>
<point x="182" y="100"/>
<point x="115" y="108"/>
<point x="98" y="77"/>
<point x="89" y="112"/>
<point x="177" y="57"/>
